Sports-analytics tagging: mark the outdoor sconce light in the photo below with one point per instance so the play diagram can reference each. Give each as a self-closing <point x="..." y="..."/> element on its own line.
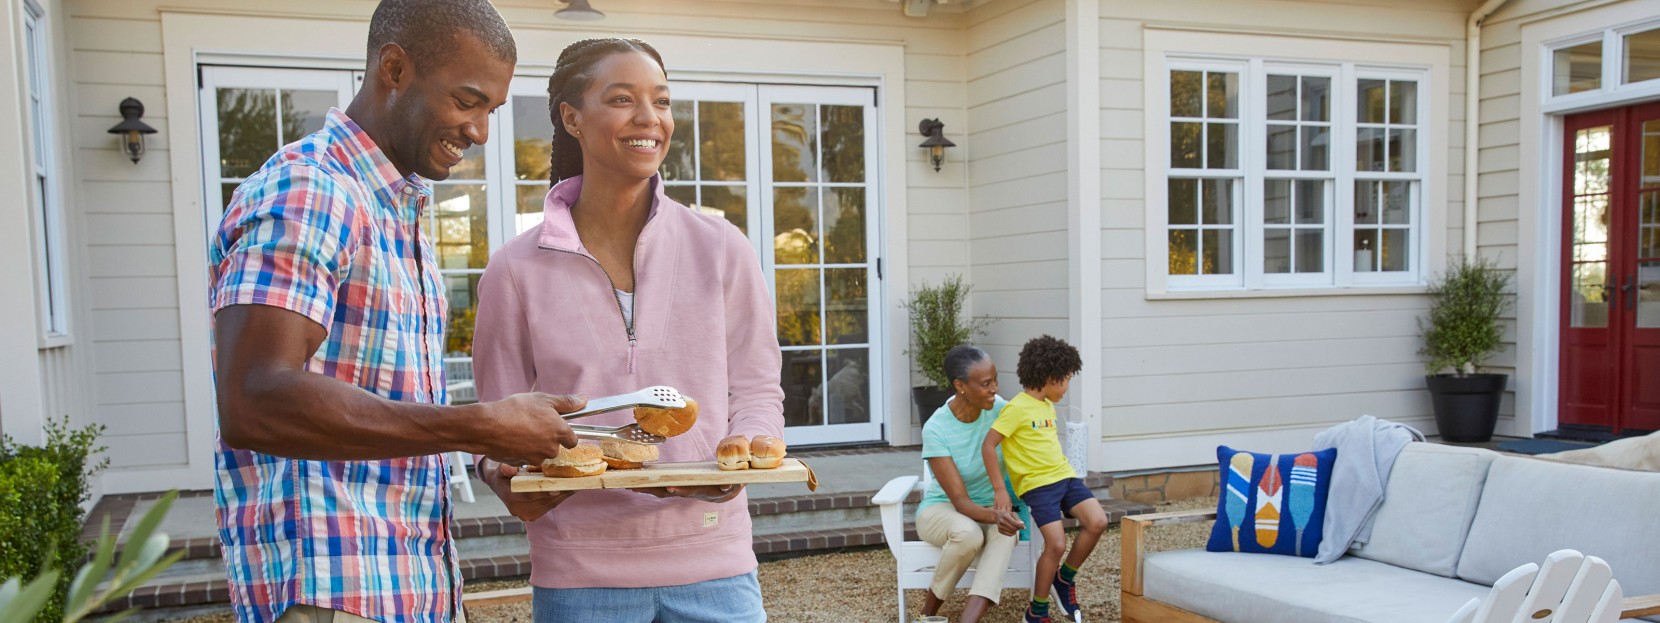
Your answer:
<point x="936" y="143"/>
<point x="578" y="10"/>
<point x="131" y="129"/>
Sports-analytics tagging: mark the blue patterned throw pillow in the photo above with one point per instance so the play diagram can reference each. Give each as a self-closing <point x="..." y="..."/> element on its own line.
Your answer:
<point x="1271" y="503"/>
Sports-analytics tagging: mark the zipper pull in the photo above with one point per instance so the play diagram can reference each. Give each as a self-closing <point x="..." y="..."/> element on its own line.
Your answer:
<point x="631" y="354"/>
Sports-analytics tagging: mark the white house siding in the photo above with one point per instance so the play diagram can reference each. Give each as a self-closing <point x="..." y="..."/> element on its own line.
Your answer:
<point x="139" y="277"/>
<point x="1018" y="174"/>
<point x="1180" y="376"/>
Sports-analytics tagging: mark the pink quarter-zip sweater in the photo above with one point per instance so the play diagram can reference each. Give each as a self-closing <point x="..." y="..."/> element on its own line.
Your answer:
<point x="549" y="321"/>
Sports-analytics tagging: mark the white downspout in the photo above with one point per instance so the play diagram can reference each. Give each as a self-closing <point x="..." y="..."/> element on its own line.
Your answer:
<point x="1472" y="118"/>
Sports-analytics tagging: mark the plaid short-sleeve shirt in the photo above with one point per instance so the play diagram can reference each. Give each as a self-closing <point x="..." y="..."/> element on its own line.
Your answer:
<point x="329" y="230"/>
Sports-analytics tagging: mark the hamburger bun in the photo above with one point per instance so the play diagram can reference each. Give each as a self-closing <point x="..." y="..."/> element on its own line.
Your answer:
<point x="625" y="455"/>
<point x="732" y="456"/>
<point x="766" y="452"/>
<point x="583" y="460"/>
<point x="667" y="422"/>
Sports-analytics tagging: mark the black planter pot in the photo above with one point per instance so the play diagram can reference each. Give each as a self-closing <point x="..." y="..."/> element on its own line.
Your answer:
<point x="1466" y="407"/>
<point x="928" y="400"/>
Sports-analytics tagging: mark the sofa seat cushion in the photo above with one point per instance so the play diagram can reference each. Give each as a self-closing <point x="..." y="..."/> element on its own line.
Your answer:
<point x="1427" y="508"/>
<point x="1254" y="588"/>
<point x="1531" y="507"/>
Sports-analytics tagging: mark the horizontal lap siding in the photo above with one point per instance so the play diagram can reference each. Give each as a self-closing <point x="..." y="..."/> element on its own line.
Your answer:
<point x="1178" y="367"/>
<point x="114" y="50"/>
<point x="1018" y="208"/>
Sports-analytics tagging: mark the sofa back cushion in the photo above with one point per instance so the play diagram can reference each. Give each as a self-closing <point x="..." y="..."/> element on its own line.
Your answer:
<point x="1532" y="507"/>
<point x="1427" y="508"/>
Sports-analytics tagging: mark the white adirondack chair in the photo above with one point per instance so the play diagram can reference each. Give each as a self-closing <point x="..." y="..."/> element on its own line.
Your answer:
<point x="916" y="560"/>
<point x="1569" y="588"/>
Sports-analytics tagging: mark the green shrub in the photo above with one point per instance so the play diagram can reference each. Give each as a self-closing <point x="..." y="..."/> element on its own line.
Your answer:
<point x="104" y="577"/>
<point x="937" y="325"/>
<point x="41" y="492"/>
<point x="1463" y="326"/>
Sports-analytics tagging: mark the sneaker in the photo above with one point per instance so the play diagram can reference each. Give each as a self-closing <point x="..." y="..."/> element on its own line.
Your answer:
<point x="1033" y="618"/>
<point x="1066" y="597"/>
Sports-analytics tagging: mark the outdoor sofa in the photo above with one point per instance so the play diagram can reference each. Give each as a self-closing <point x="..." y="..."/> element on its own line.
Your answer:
<point x="1453" y="521"/>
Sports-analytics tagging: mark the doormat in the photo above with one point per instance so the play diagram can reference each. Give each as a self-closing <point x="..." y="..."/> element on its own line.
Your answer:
<point x="1541" y="446"/>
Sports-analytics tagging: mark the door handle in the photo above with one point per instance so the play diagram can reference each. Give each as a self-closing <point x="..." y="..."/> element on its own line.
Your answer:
<point x="1626" y="293"/>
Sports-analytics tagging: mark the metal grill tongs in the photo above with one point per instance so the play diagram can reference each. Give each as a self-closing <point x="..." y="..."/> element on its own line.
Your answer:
<point x="657" y="397"/>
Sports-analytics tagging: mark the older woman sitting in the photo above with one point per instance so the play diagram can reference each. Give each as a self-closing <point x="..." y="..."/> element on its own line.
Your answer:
<point x="956" y="512"/>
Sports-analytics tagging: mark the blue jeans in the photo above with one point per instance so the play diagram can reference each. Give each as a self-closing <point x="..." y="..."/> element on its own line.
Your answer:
<point x="730" y="600"/>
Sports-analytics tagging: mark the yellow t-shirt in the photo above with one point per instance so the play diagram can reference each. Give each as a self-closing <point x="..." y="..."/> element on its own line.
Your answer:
<point x="1031" y="444"/>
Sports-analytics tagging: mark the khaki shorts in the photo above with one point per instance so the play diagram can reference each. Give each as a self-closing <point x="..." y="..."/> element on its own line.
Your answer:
<point x="301" y="613"/>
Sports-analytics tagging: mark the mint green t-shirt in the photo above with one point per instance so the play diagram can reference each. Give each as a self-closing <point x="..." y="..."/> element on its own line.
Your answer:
<point x="946" y="436"/>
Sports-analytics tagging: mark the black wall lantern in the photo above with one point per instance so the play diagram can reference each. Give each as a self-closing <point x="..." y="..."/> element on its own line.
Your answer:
<point x="936" y="143"/>
<point x="131" y="129"/>
<point x="578" y="10"/>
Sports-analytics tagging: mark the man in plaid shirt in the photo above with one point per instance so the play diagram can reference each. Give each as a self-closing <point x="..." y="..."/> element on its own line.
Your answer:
<point x="329" y="335"/>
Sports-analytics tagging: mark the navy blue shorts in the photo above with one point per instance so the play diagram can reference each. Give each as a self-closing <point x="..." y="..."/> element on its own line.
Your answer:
<point x="1051" y="502"/>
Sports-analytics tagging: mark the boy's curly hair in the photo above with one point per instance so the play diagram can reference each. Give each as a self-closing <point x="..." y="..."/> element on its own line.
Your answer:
<point x="1044" y="359"/>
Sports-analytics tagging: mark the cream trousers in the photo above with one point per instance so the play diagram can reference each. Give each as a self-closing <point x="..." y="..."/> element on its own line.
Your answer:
<point x="301" y="613"/>
<point x="962" y="540"/>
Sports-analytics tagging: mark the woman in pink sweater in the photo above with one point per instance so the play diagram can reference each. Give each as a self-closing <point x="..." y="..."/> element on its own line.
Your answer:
<point x="622" y="288"/>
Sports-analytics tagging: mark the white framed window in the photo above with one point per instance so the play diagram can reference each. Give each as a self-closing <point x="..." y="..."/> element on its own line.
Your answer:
<point x="1289" y="174"/>
<point x="46" y="204"/>
<point x="1594" y="68"/>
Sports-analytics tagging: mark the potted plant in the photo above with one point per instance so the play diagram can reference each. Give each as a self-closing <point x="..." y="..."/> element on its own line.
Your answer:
<point x="937" y="325"/>
<point x="1462" y="331"/>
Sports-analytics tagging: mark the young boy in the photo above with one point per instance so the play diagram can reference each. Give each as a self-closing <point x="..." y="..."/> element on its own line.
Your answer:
<point x="1040" y="474"/>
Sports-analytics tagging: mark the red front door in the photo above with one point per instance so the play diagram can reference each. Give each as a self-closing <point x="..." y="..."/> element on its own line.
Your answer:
<point x="1611" y="270"/>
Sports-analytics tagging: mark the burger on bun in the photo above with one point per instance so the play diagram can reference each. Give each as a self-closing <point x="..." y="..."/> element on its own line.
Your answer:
<point x="583" y="460"/>
<point x="766" y="452"/>
<point x="625" y="455"/>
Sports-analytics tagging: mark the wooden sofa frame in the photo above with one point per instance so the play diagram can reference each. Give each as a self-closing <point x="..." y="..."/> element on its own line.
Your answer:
<point x="1136" y="608"/>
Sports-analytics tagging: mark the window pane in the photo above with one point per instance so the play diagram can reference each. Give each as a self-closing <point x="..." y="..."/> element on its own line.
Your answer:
<point x="303" y="112"/>
<point x="1222" y="148"/>
<point x="533" y="138"/>
<point x="721" y="141"/>
<point x="1217" y="247"/>
<point x="795" y="225"/>
<point x="794" y="143"/>
<point x="678" y="164"/>
<point x="1589" y="305"/>
<point x="1282" y="97"/>
<point x="1184" y="145"/>
<point x="225" y="192"/>
<point x="1217" y="203"/>
<point x="1311" y="251"/>
<point x="247" y="130"/>
<point x="460" y="231"/>
<point x="1366" y="202"/>
<point x="798" y="306"/>
<point x="1184" y="252"/>
<point x="1222" y="95"/>
<point x="1316" y="138"/>
<point x="1648" y="295"/>
<point x="472" y="165"/>
<point x="844" y="225"/>
<point x="1395" y="251"/>
<point x="1369" y="149"/>
<point x="847" y="312"/>
<point x="1648" y="225"/>
<point x="728" y="202"/>
<point x="1592" y="152"/>
<point x="1186" y="94"/>
<point x="1371" y="101"/>
<point x="802" y="376"/>
<point x="1276" y="202"/>
<point x="1642" y="56"/>
<point x="1397" y="203"/>
<point x="1311" y="202"/>
<point x="686" y="194"/>
<point x="463" y="295"/>
<point x="1649" y="175"/>
<point x="1577" y="68"/>
<point x="847" y="395"/>
<point x="1403" y="150"/>
<point x="1282" y="147"/>
<point x="1403" y="102"/>
<point x="1366" y="257"/>
<point x="1184" y="202"/>
<point x="529" y="211"/>
<point x="1316" y="99"/>
<point x="1276" y="251"/>
<point x="844" y="143"/>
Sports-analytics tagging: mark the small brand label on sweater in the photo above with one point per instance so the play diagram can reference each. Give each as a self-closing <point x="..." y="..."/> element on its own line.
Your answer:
<point x="710" y="519"/>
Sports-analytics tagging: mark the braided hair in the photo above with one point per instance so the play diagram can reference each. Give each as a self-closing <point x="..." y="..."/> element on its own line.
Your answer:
<point x="571" y="78"/>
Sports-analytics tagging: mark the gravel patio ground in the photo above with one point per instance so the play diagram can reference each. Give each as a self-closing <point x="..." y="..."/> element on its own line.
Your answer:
<point x="857" y="586"/>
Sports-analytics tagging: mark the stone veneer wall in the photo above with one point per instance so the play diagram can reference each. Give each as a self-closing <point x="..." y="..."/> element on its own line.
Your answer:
<point x="1167" y="486"/>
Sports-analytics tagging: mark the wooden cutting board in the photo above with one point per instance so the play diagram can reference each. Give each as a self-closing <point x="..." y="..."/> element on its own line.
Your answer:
<point x="669" y="475"/>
